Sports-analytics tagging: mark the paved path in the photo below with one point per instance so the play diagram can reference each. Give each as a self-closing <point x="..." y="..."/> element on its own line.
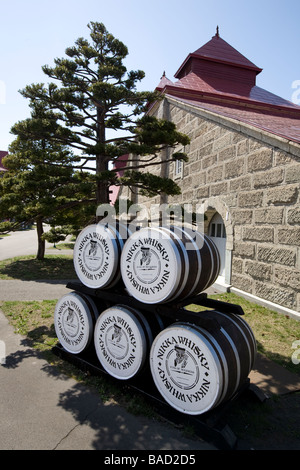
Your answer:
<point x="32" y="290"/>
<point x="24" y="243"/>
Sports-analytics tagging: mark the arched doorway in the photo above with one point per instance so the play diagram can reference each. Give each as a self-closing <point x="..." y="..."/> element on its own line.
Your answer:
<point x="217" y="233"/>
<point x="219" y="226"/>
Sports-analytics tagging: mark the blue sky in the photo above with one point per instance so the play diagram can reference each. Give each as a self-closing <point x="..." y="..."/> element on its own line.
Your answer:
<point x="158" y="33"/>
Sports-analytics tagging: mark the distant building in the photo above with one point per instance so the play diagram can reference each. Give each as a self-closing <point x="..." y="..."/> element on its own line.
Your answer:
<point x="244" y="167"/>
<point x="114" y="190"/>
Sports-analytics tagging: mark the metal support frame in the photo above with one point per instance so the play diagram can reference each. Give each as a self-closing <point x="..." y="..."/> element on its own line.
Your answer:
<point x="209" y="426"/>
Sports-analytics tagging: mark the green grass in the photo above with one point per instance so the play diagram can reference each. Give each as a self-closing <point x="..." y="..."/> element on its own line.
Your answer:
<point x="274" y="332"/>
<point x="34" y="320"/>
<point x="63" y="246"/>
<point x="29" y="268"/>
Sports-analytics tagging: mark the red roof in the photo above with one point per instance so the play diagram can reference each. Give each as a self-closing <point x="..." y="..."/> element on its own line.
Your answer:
<point x="220" y="51"/>
<point x="280" y="124"/>
<point x="163" y="82"/>
<point x="2" y="155"/>
<point x="218" y="78"/>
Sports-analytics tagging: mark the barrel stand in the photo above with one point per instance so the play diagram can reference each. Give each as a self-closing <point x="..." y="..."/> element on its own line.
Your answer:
<point x="209" y="426"/>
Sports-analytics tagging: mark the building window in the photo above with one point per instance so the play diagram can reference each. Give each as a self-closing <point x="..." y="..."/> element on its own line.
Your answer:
<point x="217" y="230"/>
<point x="217" y="227"/>
<point x="178" y="172"/>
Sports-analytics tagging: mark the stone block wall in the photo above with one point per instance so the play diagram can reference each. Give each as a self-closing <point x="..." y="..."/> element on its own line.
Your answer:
<point x="257" y="183"/>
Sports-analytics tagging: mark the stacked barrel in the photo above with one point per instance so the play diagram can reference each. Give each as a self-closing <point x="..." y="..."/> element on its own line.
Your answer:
<point x="163" y="264"/>
<point x="194" y="368"/>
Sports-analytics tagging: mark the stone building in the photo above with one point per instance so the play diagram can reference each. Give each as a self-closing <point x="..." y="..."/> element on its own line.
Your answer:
<point x="244" y="167"/>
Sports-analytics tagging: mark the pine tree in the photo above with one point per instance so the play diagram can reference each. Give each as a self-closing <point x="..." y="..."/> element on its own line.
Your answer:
<point x="37" y="190"/>
<point x="94" y="108"/>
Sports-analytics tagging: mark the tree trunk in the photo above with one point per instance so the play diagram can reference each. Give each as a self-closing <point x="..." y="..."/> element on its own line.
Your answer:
<point x="41" y="243"/>
<point x="102" y="193"/>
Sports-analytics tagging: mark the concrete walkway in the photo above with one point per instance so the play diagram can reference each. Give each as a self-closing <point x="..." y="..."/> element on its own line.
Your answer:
<point x="32" y="290"/>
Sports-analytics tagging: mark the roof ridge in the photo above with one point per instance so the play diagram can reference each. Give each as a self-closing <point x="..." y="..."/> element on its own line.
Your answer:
<point x="219" y="50"/>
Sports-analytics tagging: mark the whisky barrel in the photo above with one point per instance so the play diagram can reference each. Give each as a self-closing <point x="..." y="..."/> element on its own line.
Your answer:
<point x="196" y="369"/>
<point x="97" y="254"/>
<point x="122" y="339"/>
<point x="75" y="316"/>
<point x="161" y="264"/>
<point x="203" y="266"/>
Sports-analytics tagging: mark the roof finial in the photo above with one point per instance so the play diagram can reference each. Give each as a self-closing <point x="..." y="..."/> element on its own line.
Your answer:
<point x="217" y="32"/>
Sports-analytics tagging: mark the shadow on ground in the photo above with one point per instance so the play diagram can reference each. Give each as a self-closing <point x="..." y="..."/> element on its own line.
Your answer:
<point x="30" y="268"/>
<point x="271" y="425"/>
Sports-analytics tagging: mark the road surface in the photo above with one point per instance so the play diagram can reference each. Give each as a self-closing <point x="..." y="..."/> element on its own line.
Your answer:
<point x="23" y="243"/>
